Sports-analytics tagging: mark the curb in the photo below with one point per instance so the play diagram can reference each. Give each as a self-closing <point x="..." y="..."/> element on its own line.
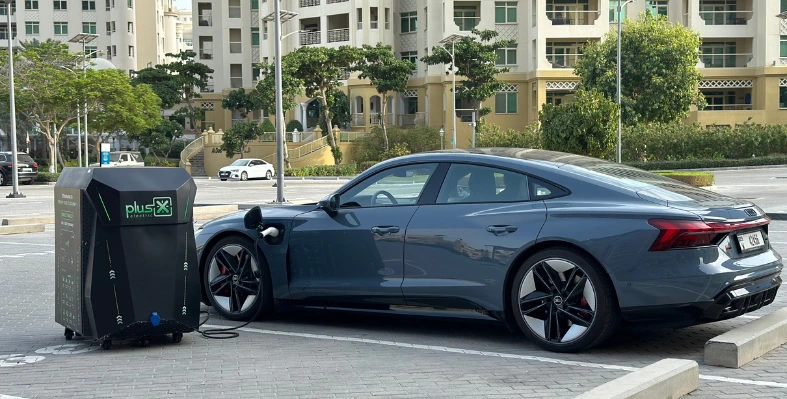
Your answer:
<point x="668" y="378"/>
<point x="22" y="221"/>
<point x="741" y="345"/>
<point x="21" y="229"/>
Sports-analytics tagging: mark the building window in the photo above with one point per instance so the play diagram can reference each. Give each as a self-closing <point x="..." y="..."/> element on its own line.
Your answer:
<point x="658" y="7"/>
<point x="236" y="76"/>
<point x="130" y="51"/>
<point x="506" y="56"/>
<point x="466" y="17"/>
<point x="31" y="4"/>
<point x="255" y="36"/>
<point x="91" y="51"/>
<point x="783" y="48"/>
<point x="31" y="28"/>
<point x="264" y="31"/>
<point x="234" y="9"/>
<point x="784" y="5"/>
<point x="506" y="103"/>
<point x="130" y="27"/>
<point x="613" y="12"/>
<point x="409" y="22"/>
<point x="505" y="12"/>
<point x="255" y="4"/>
<point x="783" y="97"/>
<point x="411" y="56"/>
<point x="88" y="5"/>
<point x="89" y="27"/>
<point x="61" y="28"/>
<point x="130" y="3"/>
<point x="255" y="72"/>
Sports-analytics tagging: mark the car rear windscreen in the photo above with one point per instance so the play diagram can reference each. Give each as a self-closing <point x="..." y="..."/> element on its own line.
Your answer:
<point x="24" y="158"/>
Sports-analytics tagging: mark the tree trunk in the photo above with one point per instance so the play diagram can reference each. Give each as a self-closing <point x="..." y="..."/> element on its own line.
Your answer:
<point x="327" y="113"/>
<point x="190" y="106"/>
<point x="287" y="156"/>
<point x="52" y="158"/>
<point x="382" y="122"/>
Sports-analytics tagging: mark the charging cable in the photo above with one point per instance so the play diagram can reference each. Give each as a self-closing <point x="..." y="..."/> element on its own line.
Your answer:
<point x="228" y="333"/>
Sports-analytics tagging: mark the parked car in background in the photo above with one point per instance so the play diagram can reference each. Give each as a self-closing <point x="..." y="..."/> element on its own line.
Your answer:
<point x="123" y="159"/>
<point x="247" y="168"/>
<point x="561" y="247"/>
<point x="27" y="167"/>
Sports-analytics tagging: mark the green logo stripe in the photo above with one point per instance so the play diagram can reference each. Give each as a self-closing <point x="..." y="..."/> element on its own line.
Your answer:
<point x="186" y="213"/>
<point x="102" y="204"/>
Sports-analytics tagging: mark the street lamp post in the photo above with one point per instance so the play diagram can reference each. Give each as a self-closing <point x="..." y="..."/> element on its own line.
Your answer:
<point x="278" y="17"/>
<point x="620" y="110"/>
<point x="12" y="104"/>
<point x="453" y="39"/>
<point x="83" y="38"/>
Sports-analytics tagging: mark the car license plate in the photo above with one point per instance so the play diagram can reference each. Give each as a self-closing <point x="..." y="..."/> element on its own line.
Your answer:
<point x="751" y="241"/>
<point x="27" y="169"/>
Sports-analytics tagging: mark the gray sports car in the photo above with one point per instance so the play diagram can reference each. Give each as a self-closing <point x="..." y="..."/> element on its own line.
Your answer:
<point x="563" y="248"/>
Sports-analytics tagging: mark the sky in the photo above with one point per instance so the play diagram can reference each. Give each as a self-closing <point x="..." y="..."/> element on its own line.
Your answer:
<point x="183" y="4"/>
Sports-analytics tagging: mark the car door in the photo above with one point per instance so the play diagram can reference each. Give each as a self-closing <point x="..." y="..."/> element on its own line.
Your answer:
<point x="356" y="254"/>
<point x="458" y="250"/>
<point x="254" y="169"/>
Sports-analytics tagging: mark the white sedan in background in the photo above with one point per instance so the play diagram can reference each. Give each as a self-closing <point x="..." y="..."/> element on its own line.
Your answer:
<point x="247" y="168"/>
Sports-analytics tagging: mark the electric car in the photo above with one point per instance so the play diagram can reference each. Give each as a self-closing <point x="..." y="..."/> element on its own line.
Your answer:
<point x="561" y="247"/>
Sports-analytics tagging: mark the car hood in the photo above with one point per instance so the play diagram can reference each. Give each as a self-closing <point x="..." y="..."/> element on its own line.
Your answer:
<point x="229" y="168"/>
<point x="269" y="214"/>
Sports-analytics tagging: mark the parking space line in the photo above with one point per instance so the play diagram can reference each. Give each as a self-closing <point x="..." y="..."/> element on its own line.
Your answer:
<point x="25" y="243"/>
<point x="492" y="354"/>
<point x="9" y="397"/>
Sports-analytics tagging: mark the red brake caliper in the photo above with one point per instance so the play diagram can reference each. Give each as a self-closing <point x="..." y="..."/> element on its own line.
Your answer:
<point x="583" y="302"/>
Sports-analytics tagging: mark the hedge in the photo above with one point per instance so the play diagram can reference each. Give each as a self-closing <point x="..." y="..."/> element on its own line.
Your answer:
<point x="323" y="170"/>
<point x="709" y="163"/>
<point x="696" y="179"/>
<point x="46" y="177"/>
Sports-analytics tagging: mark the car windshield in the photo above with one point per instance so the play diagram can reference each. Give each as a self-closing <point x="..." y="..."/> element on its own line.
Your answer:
<point x="114" y="157"/>
<point x="240" y="162"/>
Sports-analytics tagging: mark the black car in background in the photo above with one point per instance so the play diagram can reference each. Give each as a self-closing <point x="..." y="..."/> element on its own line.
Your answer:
<point x="27" y="167"/>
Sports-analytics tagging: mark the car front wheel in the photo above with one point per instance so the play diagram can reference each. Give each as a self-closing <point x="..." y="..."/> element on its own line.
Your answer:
<point x="237" y="283"/>
<point x="244" y="176"/>
<point x="563" y="302"/>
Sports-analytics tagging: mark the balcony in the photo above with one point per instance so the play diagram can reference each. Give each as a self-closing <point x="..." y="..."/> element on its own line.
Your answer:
<point x="563" y="60"/>
<point x="312" y="3"/>
<point x="726" y="60"/>
<point x="728" y="100"/>
<point x="310" y="38"/>
<point x="726" y="17"/>
<point x="467" y="15"/>
<point x="205" y="14"/>
<point x="560" y="18"/>
<point x="358" y="120"/>
<point x="418" y="118"/>
<point x="338" y="35"/>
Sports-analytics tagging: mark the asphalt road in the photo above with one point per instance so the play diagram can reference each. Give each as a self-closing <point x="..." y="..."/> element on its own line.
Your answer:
<point x="322" y="354"/>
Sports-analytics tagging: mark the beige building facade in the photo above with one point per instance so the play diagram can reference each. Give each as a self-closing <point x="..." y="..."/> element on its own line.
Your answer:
<point x="744" y="53"/>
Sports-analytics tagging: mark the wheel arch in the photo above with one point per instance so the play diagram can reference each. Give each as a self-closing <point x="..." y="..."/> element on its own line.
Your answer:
<point x="535" y="248"/>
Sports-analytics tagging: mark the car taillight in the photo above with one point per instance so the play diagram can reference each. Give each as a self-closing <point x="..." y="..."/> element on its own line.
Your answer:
<point x="10" y="166"/>
<point x="695" y="233"/>
<point x="35" y="165"/>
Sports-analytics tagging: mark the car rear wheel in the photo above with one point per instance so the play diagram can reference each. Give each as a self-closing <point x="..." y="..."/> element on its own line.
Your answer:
<point x="2" y="180"/>
<point x="268" y="175"/>
<point x="237" y="283"/>
<point x="563" y="301"/>
<point x="244" y="176"/>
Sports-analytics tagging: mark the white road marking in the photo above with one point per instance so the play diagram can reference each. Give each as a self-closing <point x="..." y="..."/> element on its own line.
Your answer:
<point x="493" y="354"/>
<point x="749" y="317"/>
<point x="24" y="243"/>
<point x="27" y="254"/>
<point x="10" y="397"/>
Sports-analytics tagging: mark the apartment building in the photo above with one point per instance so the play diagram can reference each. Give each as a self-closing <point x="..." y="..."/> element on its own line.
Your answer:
<point x="132" y="34"/>
<point x="744" y="53"/>
<point x="184" y="30"/>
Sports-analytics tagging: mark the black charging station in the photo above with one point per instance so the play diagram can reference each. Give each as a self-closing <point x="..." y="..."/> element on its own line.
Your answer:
<point x="125" y="254"/>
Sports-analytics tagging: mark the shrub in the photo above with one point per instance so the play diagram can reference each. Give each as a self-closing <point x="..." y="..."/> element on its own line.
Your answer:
<point x="46" y="177"/>
<point x="294" y="124"/>
<point x="710" y="163"/>
<point x="490" y="135"/>
<point x="322" y="171"/>
<point x="696" y="179"/>
<point x="365" y="165"/>
<point x="401" y="141"/>
<point x="267" y="126"/>
<point x="585" y="126"/>
<point x="677" y="141"/>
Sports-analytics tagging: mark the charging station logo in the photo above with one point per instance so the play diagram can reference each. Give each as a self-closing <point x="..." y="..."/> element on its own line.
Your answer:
<point x="160" y="207"/>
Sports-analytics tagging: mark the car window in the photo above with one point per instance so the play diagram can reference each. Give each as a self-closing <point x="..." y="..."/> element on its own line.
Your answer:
<point x="124" y="158"/>
<point x="136" y="157"/>
<point x="401" y="185"/>
<point x="25" y="158"/>
<point x="474" y="184"/>
<point x="2" y="158"/>
<point x="255" y="163"/>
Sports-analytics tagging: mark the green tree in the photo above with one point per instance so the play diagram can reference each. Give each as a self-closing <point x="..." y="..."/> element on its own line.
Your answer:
<point x="245" y="102"/>
<point x="115" y="106"/>
<point x="660" y="79"/>
<point x="340" y="111"/>
<point x="190" y="77"/>
<point x="386" y="72"/>
<point x="476" y="60"/>
<point x="267" y="126"/>
<point x="160" y="139"/>
<point x="237" y="138"/>
<point x="585" y="126"/>
<point x="46" y="91"/>
<point x="320" y="70"/>
<point x="265" y="92"/>
<point x="164" y="84"/>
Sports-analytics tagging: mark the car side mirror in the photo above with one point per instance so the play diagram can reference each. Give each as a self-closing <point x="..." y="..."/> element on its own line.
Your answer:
<point x="253" y="218"/>
<point x="330" y="205"/>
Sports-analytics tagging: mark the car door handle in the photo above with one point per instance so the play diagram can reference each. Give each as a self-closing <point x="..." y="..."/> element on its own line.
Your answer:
<point x="501" y="230"/>
<point x="385" y="230"/>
